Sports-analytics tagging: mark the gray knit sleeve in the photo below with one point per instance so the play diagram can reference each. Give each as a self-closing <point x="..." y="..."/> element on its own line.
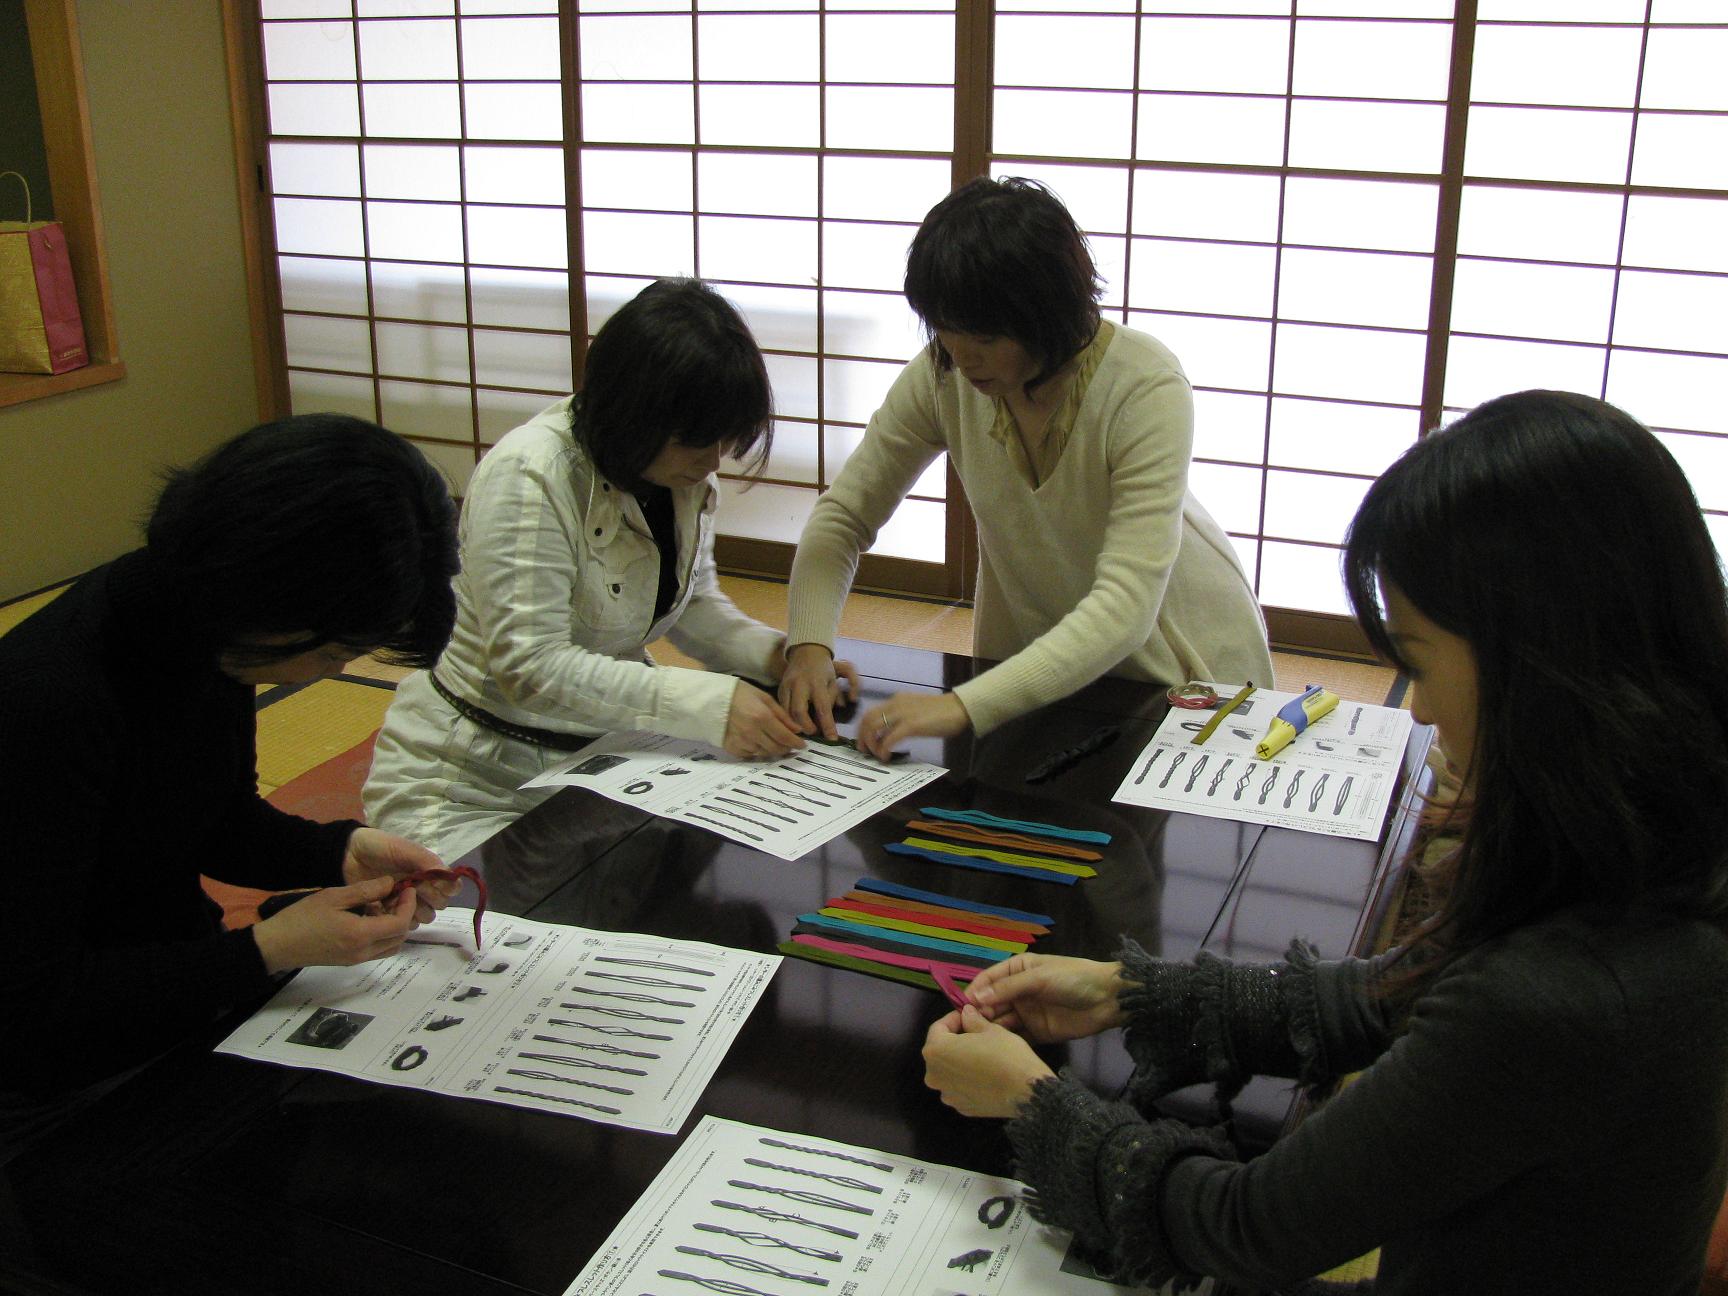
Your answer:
<point x="1095" y="1168"/>
<point x="1218" y="1021"/>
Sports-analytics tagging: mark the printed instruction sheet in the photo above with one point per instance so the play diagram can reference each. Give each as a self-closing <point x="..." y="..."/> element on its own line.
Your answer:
<point x="1336" y="777"/>
<point x="744" y="1209"/>
<point x="622" y="1029"/>
<point x="786" y="807"/>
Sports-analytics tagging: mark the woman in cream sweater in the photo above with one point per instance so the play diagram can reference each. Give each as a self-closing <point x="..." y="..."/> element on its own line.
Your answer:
<point x="1072" y="437"/>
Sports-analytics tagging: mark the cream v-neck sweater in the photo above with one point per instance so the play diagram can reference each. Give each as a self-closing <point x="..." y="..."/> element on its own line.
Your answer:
<point x="1109" y="566"/>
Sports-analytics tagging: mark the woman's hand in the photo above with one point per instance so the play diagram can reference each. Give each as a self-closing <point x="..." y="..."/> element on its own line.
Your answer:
<point x="374" y="854"/>
<point x="322" y="929"/>
<point x="1048" y="998"/>
<point x="979" y="1068"/>
<point x="813" y="684"/>
<point x="911" y="715"/>
<point x="757" y="727"/>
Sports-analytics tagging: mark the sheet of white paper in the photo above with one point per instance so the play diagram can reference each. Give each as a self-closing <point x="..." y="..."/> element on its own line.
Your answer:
<point x="787" y="807"/>
<point x="622" y="1029"/>
<point x="1335" y="778"/>
<point x="743" y="1208"/>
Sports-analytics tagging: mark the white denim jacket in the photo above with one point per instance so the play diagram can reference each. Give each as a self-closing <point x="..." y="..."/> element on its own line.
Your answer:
<point x="555" y="600"/>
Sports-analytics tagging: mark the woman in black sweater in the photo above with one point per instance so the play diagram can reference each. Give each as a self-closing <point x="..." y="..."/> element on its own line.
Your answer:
<point x="1544" y="1065"/>
<point x="127" y="753"/>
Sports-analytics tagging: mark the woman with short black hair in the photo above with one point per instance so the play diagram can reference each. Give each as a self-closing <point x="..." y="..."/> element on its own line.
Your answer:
<point x="1543" y="1097"/>
<point x="587" y="533"/>
<point x="128" y="753"/>
<point x="1072" y="438"/>
<point x="245" y="541"/>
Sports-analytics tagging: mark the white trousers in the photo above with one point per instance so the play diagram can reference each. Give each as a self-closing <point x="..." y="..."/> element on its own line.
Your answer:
<point x="442" y="780"/>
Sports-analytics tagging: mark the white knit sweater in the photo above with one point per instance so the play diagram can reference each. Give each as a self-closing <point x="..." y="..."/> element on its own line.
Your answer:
<point x="1109" y="566"/>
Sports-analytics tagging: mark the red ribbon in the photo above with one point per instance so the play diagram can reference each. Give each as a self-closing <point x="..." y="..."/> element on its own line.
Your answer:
<point x="446" y="875"/>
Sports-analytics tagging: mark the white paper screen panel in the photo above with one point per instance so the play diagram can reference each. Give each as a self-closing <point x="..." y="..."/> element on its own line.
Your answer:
<point x="1262" y="182"/>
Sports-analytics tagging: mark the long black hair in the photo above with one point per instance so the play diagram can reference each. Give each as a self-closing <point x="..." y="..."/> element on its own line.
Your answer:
<point x="311" y="530"/>
<point x="675" y="363"/>
<point x="1003" y="258"/>
<point x="1558" y="537"/>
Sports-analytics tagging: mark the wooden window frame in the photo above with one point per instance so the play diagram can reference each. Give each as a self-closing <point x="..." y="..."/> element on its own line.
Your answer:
<point x="954" y="578"/>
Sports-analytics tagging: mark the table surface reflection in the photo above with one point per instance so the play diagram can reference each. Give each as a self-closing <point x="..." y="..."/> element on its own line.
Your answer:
<point x="210" y="1173"/>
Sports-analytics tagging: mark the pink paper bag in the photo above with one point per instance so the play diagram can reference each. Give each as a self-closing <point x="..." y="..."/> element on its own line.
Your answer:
<point x="41" y="330"/>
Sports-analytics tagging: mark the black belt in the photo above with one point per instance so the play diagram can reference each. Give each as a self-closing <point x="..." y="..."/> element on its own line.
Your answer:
<point x="497" y="724"/>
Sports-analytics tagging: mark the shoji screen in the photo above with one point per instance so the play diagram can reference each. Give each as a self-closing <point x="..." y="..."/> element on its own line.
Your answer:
<point x="1300" y="196"/>
<point x="416" y="163"/>
<point x="1260" y="181"/>
<point x="1593" y="233"/>
<point x="1347" y="217"/>
<point x="419" y="169"/>
<point x="785" y="153"/>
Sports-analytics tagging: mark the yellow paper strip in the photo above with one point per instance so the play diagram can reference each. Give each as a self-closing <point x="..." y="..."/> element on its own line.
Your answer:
<point x="919" y="929"/>
<point x="1005" y="857"/>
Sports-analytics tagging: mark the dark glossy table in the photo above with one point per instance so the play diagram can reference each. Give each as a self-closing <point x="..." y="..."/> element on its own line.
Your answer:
<point x="210" y="1173"/>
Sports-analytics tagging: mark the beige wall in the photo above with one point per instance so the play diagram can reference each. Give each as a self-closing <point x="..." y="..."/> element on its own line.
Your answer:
<point x="78" y="471"/>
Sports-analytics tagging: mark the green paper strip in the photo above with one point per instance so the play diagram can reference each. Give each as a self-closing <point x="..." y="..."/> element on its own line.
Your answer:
<point x="887" y="971"/>
<point x="1004" y="857"/>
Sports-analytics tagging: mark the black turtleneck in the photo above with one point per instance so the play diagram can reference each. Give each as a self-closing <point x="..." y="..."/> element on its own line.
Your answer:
<point x="127" y="769"/>
<point x="659" y="513"/>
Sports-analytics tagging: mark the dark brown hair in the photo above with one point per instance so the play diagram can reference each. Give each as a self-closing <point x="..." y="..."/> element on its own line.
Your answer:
<point x="1559" y="538"/>
<point x="675" y="363"/>
<point x="1003" y="258"/>
<point x="322" y="527"/>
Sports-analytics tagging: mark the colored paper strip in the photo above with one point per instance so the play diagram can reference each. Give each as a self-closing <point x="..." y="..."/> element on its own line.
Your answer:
<point x="987" y="820"/>
<point x="865" y="931"/>
<point x="987" y="866"/>
<point x="944" y="922"/>
<point x="1004" y="926"/>
<point x="814" y="954"/>
<point x="935" y="897"/>
<point x="1002" y="840"/>
<point x="962" y="971"/>
<point x="924" y="929"/>
<point x="1005" y="857"/>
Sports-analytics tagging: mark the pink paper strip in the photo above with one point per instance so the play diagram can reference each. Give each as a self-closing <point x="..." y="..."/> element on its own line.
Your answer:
<point x="956" y="995"/>
<point x="944" y="974"/>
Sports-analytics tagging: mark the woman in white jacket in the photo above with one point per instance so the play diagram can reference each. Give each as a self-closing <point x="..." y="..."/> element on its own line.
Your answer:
<point x="587" y="533"/>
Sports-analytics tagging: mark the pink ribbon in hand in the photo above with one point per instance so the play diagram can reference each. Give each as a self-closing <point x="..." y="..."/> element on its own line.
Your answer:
<point x="446" y="875"/>
<point x="947" y="976"/>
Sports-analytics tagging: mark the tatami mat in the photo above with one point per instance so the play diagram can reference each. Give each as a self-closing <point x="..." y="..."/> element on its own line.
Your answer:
<point x="311" y="725"/>
<point x="1359" y="1270"/>
<point x="13" y="613"/>
<point x="366" y="668"/>
<point x="1354" y="681"/>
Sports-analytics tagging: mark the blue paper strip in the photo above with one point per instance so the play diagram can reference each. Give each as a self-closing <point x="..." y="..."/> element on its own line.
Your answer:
<point x="984" y="819"/>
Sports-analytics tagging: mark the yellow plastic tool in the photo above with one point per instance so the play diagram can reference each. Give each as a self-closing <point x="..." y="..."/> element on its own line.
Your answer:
<point x="1293" y="717"/>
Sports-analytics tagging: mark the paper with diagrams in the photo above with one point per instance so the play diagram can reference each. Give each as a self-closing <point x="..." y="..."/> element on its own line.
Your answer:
<point x="622" y="1029"/>
<point x="786" y="807"/>
<point x="1336" y="778"/>
<point x="744" y="1209"/>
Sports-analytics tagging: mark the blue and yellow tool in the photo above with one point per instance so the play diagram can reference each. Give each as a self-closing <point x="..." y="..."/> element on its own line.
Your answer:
<point x="1293" y="717"/>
